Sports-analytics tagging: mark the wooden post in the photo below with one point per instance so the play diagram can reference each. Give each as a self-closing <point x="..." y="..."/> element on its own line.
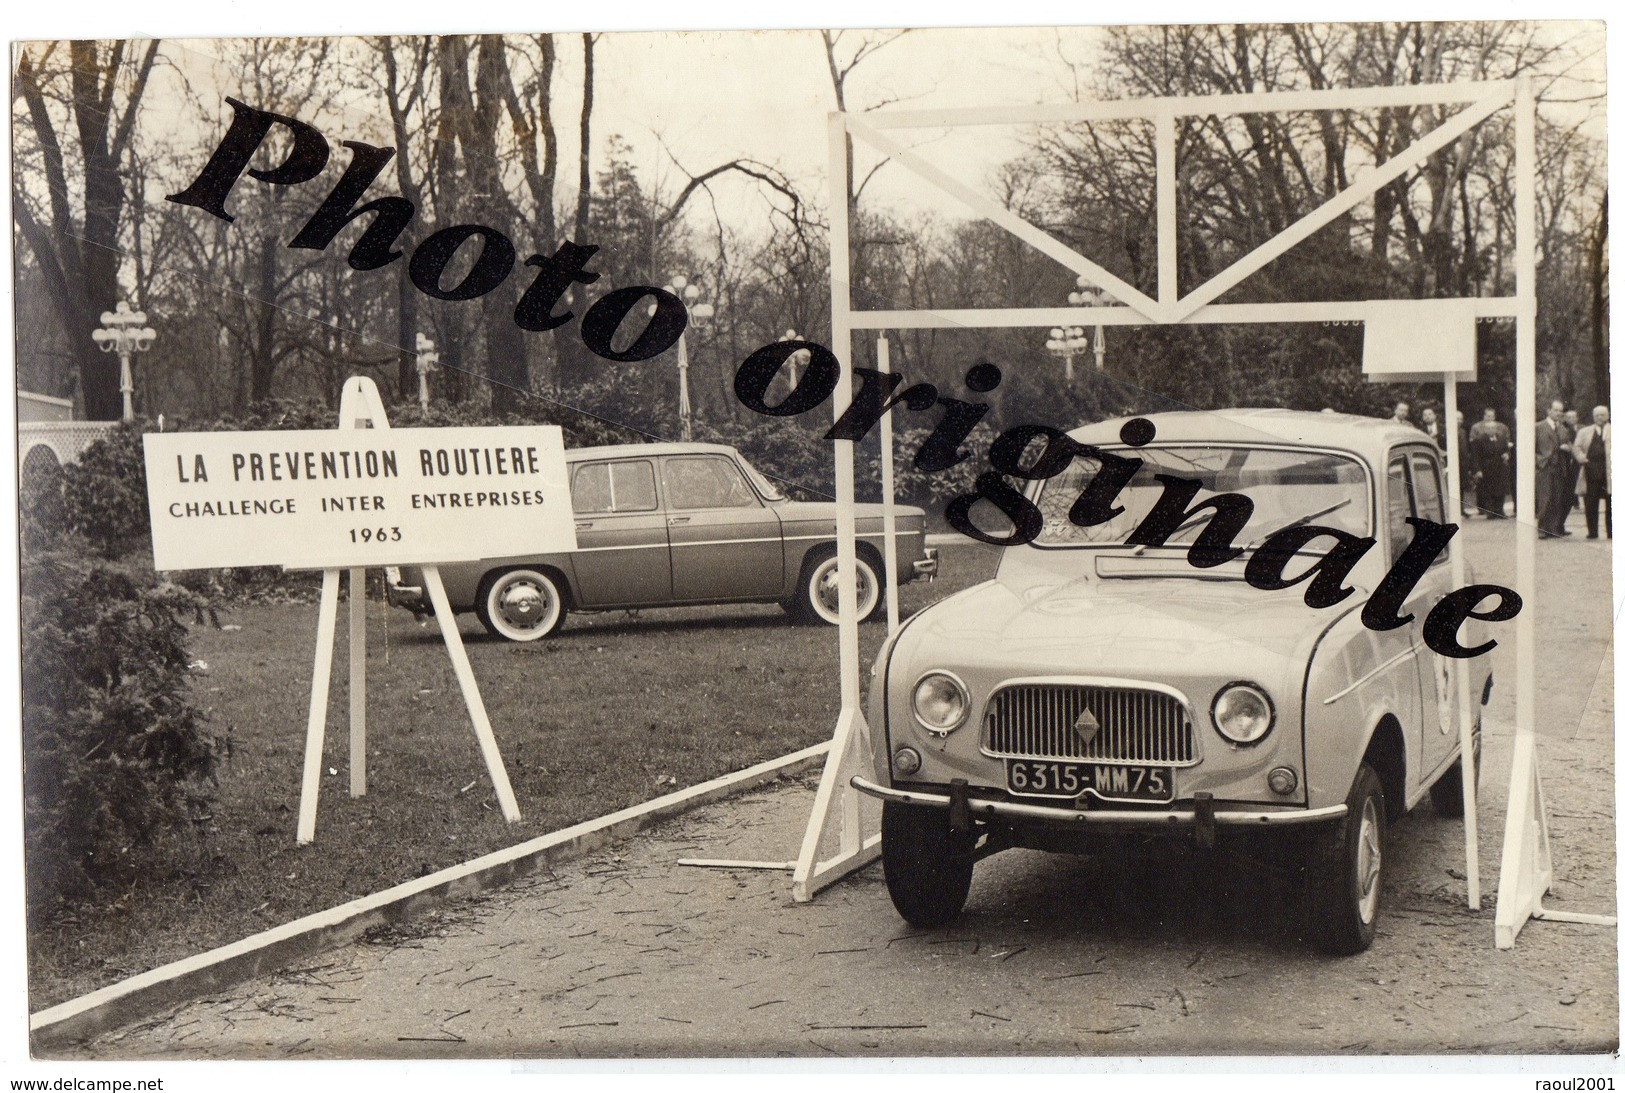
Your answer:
<point x="1464" y="677"/>
<point x="471" y="692"/>
<point x="840" y="337"/>
<point x="888" y="491"/>
<point x="316" y="727"/>
<point x="358" y="682"/>
<point x="1167" y="220"/>
<point x="851" y="750"/>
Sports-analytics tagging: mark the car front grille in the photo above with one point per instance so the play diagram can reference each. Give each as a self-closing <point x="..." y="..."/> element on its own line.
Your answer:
<point x="1041" y="721"/>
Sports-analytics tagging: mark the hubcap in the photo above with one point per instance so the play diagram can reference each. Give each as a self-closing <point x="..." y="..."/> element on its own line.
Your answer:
<point x="1368" y="863"/>
<point x="523" y="605"/>
<point x="827" y="589"/>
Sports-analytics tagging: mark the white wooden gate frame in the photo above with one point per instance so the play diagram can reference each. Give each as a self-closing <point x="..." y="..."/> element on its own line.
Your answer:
<point x="851" y="751"/>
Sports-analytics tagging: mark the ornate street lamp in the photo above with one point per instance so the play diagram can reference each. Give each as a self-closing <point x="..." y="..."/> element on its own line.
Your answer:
<point x="124" y="332"/>
<point x="1092" y="296"/>
<point x="698" y="315"/>
<point x="1063" y="342"/>
<point x="427" y="361"/>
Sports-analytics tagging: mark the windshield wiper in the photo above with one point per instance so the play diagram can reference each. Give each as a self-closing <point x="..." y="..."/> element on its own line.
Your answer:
<point x="1300" y="521"/>
<point x="1200" y="518"/>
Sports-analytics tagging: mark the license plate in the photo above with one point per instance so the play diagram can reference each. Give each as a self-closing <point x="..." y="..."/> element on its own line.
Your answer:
<point x="1048" y="778"/>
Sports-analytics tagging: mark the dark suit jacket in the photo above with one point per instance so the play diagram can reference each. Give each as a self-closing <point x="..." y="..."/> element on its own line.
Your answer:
<point x="1547" y="438"/>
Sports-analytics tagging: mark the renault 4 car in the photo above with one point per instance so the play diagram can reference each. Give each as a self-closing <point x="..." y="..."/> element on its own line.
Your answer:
<point x="1095" y="688"/>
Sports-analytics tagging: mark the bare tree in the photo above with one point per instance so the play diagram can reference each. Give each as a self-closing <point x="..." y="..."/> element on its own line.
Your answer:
<point x="584" y="162"/>
<point x="406" y="94"/>
<point x="77" y="249"/>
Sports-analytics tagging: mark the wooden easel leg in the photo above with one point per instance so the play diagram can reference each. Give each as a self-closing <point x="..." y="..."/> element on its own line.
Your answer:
<point x="471" y="692"/>
<point x="358" y="682"/>
<point x="316" y="727"/>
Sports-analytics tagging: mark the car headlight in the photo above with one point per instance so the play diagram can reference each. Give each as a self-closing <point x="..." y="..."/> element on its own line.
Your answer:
<point x="1243" y="713"/>
<point x="941" y="702"/>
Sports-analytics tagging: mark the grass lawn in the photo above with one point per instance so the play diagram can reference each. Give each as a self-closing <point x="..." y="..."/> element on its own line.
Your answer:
<point x="612" y="711"/>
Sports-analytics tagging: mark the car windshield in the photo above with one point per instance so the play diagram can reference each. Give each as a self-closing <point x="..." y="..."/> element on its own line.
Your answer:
<point x="1286" y="488"/>
<point x="763" y="484"/>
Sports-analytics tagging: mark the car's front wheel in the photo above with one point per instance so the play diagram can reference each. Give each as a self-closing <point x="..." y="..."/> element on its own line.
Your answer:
<point x="927" y="873"/>
<point x="817" y="598"/>
<point x="521" y="604"/>
<point x="1345" y="871"/>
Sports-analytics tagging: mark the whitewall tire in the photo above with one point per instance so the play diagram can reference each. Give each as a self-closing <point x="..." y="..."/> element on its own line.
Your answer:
<point x="817" y="600"/>
<point x="521" y="605"/>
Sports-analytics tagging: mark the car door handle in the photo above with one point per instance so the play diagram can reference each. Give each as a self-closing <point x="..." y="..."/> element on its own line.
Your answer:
<point x="583" y="525"/>
<point x="679" y="519"/>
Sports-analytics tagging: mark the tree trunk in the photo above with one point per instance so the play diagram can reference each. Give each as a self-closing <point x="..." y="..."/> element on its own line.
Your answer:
<point x="406" y="331"/>
<point x="584" y="174"/>
<point x="571" y="364"/>
<point x="262" y="362"/>
<point x="1597" y="283"/>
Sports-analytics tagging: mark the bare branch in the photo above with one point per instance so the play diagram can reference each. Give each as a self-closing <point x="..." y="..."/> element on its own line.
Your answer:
<point x="121" y="137"/>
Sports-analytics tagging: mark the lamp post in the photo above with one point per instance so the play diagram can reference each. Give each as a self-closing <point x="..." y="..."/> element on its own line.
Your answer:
<point x="1093" y="296"/>
<point x="698" y="314"/>
<point x="427" y="361"/>
<point x="124" y="332"/>
<point x="797" y="359"/>
<point x="1064" y="342"/>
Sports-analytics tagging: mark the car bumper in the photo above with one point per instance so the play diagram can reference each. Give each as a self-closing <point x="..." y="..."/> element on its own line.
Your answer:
<point x="927" y="567"/>
<point x="1276" y="816"/>
<point x="410" y="596"/>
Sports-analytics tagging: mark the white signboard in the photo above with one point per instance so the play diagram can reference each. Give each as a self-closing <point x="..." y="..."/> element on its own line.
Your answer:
<point x="318" y="499"/>
<point x="1419" y="341"/>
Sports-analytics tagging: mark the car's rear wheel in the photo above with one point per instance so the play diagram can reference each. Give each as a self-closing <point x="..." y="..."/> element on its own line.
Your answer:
<point x="817" y="597"/>
<point x="927" y="873"/>
<point x="1448" y="796"/>
<point x="1345" y="871"/>
<point x="521" y="604"/>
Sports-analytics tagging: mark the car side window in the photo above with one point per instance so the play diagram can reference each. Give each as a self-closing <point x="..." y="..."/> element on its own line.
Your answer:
<point x="589" y="492"/>
<point x="632" y="486"/>
<point x="706" y="482"/>
<point x="628" y="486"/>
<point x="1399" y="507"/>
<point x="1429" y="495"/>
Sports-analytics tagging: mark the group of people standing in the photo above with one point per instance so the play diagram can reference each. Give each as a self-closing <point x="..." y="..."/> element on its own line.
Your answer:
<point x="1564" y="451"/>
<point x="1570" y="459"/>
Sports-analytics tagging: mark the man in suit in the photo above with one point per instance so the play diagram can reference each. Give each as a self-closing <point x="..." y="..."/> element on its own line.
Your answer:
<point x="1490" y="447"/>
<point x="1552" y="447"/>
<point x="1465" y="454"/>
<point x="1592" y="449"/>
<point x="1571" y="423"/>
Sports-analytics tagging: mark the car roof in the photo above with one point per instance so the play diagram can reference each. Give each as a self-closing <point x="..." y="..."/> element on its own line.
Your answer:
<point x="1368" y="436"/>
<point x="615" y="451"/>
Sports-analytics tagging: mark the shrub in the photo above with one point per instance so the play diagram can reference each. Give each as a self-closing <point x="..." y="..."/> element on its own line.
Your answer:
<point x="42" y="513"/>
<point x="104" y="493"/>
<point x="116" y="759"/>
